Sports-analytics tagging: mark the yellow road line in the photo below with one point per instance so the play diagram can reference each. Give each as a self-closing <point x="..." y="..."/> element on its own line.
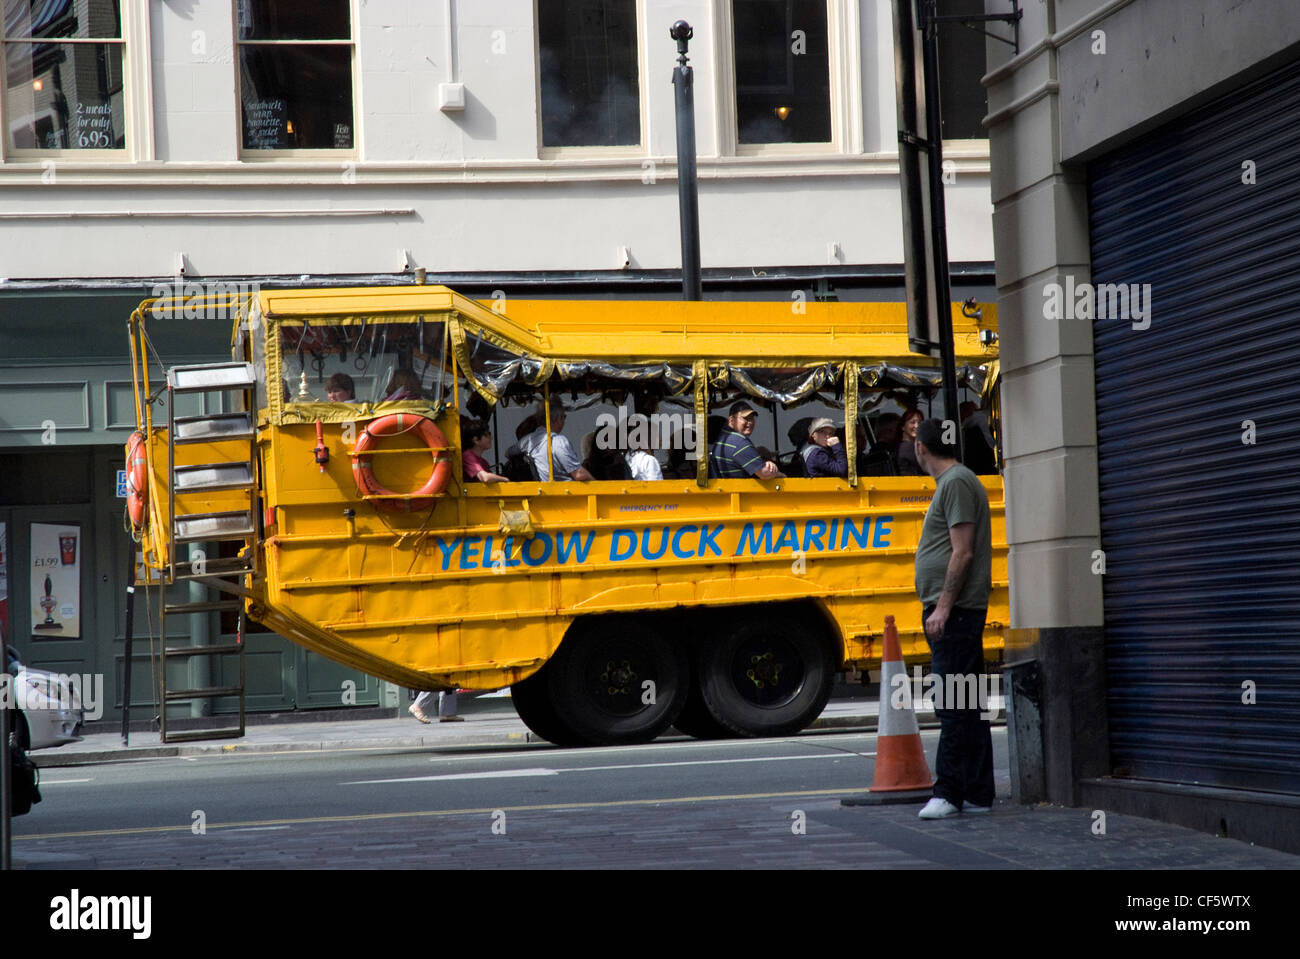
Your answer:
<point x="429" y="813"/>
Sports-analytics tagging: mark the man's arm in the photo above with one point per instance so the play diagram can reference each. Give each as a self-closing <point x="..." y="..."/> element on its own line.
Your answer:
<point x="747" y="458"/>
<point x="566" y="461"/>
<point x="828" y="462"/>
<point x="962" y="537"/>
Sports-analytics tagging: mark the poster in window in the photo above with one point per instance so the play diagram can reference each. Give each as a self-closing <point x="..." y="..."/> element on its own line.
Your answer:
<point x="56" y="581"/>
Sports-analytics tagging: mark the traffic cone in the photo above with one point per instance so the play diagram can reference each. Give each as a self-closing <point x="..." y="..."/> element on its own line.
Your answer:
<point x="902" y="774"/>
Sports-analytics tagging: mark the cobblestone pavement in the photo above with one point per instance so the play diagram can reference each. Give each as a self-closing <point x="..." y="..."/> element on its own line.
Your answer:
<point x="733" y="833"/>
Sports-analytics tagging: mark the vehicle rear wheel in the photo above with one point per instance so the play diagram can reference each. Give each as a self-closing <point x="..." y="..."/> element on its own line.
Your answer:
<point x="616" y="680"/>
<point x="695" y="719"/>
<point x="532" y="701"/>
<point x="767" y="675"/>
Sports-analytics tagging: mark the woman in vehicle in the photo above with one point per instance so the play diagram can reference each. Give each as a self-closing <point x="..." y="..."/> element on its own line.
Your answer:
<point x="477" y="440"/>
<point x="907" y="464"/>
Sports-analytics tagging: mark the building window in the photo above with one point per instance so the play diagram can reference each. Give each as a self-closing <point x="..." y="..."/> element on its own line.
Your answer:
<point x="295" y="74"/>
<point x="589" y="73"/>
<point x="63" y="80"/>
<point x="782" y="56"/>
<point x="962" y="100"/>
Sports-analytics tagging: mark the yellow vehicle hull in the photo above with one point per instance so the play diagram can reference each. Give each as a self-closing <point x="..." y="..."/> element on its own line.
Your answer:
<point x="481" y="590"/>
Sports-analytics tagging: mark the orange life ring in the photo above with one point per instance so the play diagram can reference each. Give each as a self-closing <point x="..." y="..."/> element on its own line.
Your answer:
<point x="394" y="425"/>
<point x="137" y="475"/>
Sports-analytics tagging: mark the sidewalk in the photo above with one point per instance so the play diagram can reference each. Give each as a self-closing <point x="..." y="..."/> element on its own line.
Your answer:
<point x="880" y="837"/>
<point x="489" y="721"/>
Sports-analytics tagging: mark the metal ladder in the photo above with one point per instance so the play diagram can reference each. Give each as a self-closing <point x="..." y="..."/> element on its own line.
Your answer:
<point x="222" y="476"/>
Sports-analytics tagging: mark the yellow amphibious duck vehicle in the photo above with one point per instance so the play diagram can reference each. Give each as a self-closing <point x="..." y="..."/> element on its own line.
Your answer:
<point x="613" y="608"/>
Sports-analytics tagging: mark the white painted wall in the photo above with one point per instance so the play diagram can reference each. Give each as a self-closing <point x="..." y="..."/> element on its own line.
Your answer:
<point x="462" y="192"/>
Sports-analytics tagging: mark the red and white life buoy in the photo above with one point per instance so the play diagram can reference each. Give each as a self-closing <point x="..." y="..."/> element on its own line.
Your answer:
<point x="137" y="476"/>
<point x="394" y="425"/>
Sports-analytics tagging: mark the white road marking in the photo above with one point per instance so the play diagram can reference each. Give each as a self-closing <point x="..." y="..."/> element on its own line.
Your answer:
<point x="543" y="771"/>
<point x="714" y="762"/>
<point x="63" y="782"/>
<point x="254" y="829"/>
<point x="494" y="774"/>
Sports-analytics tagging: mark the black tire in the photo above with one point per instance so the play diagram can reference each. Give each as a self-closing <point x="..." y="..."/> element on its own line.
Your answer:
<point x="767" y="674"/>
<point x="597" y="680"/>
<point x="20" y="733"/>
<point x="695" y="719"/>
<point x="532" y="701"/>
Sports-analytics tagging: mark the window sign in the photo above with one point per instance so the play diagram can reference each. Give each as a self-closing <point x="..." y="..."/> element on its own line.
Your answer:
<point x="295" y="74"/>
<point x="590" y="75"/>
<point x="56" y="581"/>
<point x="63" y="75"/>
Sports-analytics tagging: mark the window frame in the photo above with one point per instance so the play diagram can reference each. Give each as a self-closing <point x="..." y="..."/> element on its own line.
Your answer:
<point x="247" y="155"/>
<point x="576" y="152"/>
<point x="137" y="96"/>
<point x="843" y="30"/>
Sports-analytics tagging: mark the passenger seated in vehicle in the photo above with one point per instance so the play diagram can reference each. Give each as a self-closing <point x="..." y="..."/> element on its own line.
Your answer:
<point x="519" y="465"/>
<point x="403" y="385"/>
<point x="565" y="464"/>
<point x="792" y="463"/>
<point x="477" y="440"/>
<point x="824" y="455"/>
<point x="339" y="388"/>
<point x="734" y="455"/>
<point x="679" y="467"/>
<point x="907" y="463"/>
<point x="883" y="458"/>
<point x="641" y="465"/>
<point x="977" y="439"/>
<point x="603" y="463"/>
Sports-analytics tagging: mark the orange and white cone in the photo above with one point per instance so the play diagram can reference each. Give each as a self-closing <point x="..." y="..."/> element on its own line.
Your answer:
<point x="902" y="774"/>
<point x="900" y="756"/>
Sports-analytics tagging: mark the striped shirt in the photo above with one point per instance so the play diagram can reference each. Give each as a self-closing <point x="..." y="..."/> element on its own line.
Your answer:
<point x="734" y="457"/>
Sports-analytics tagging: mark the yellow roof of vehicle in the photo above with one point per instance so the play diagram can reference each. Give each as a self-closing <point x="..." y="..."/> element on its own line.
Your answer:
<point x="631" y="331"/>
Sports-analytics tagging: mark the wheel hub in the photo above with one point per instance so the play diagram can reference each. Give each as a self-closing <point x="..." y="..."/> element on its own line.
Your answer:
<point x="767" y="671"/>
<point x="764" y="670"/>
<point x="619" y="678"/>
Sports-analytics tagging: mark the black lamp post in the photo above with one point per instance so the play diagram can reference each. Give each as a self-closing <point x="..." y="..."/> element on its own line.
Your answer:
<point x="687" y="195"/>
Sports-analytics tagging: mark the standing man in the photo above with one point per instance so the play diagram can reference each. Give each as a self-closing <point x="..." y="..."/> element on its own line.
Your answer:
<point x="733" y="456"/>
<point x="954" y="571"/>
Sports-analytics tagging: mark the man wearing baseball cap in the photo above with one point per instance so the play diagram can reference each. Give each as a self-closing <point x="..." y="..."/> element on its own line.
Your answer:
<point x="824" y="455"/>
<point x="733" y="456"/>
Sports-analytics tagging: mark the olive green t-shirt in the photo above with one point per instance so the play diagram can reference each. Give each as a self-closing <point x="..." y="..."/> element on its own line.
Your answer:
<point x="959" y="497"/>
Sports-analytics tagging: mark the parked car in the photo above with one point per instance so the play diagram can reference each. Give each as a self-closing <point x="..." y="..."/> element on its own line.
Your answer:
<point x="49" y="710"/>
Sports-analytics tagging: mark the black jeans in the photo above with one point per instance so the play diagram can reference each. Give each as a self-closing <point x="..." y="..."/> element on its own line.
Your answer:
<point x="963" y="767"/>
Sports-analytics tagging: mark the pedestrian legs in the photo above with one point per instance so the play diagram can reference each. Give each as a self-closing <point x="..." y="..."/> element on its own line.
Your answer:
<point x="964" y="762"/>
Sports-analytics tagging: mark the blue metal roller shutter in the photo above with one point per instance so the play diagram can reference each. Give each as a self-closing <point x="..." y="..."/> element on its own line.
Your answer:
<point x="1201" y="530"/>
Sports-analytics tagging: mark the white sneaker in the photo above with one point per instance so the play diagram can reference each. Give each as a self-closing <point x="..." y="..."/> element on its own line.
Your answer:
<point x="418" y="713"/>
<point x="938" y="808"/>
<point x="970" y="807"/>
